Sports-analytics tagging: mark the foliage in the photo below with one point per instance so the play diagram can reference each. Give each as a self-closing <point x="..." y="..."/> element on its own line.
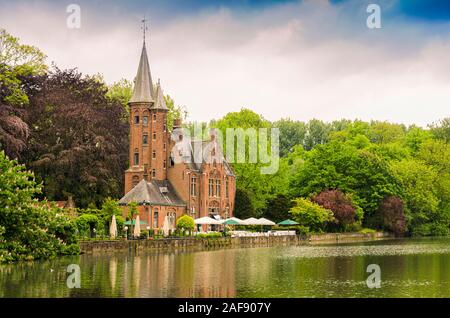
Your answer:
<point x="29" y="229"/>
<point x="344" y="211"/>
<point x="212" y="235"/>
<point x="393" y="215"/>
<point x="243" y="205"/>
<point x="277" y="208"/>
<point x="310" y="214"/>
<point x="79" y="141"/>
<point x="185" y="222"/>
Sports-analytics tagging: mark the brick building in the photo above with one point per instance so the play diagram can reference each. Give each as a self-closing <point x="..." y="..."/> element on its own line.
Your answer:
<point x="170" y="174"/>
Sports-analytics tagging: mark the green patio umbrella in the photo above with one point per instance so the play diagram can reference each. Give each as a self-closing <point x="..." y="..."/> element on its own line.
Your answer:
<point x="134" y="222"/>
<point x="231" y="222"/>
<point x="288" y="222"/>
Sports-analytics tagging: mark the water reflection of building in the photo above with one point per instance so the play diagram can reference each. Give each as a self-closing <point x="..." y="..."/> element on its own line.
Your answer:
<point x="177" y="274"/>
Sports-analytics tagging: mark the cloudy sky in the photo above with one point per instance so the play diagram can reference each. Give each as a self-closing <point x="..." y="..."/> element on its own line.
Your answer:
<point x="298" y="59"/>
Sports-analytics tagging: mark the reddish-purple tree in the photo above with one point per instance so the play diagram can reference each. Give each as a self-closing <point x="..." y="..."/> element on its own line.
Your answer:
<point x="341" y="205"/>
<point x="393" y="215"/>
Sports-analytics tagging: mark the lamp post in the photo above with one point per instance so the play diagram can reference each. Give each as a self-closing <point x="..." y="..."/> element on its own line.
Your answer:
<point x="126" y="232"/>
<point x="148" y="230"/>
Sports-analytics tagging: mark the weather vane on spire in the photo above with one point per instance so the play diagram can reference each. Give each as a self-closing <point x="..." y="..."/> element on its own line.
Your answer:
<point x="144" y="27"/>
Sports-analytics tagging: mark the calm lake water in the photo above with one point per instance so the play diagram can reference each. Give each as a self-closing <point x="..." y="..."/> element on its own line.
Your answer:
<point x="409" y="268"/>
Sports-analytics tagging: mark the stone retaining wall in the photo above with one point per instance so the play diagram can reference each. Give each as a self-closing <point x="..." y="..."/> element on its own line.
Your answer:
<point x="193" y="243"/>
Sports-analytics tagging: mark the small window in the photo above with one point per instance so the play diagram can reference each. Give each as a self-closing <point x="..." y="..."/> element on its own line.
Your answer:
<point x="155" y="218"/>
<point x="154" y="136"/>
<point x="136" y="159"/>
<point x="136" y="119"/>
<point x="153" y="154"/>
<point x="153" y="173"/>
<point x="145" y="120"/>
<point x="164" y="146"/>
<point x="145" y="139"/>
<point x="154" y="117"/>
<point x="164" y="164"/>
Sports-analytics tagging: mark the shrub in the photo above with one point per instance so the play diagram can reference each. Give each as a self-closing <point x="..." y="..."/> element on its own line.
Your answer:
<point x="185" y="223"/>
<point x="344" y="211"/>
<point x="393" y="215"/>
<point x="310" y="214"/>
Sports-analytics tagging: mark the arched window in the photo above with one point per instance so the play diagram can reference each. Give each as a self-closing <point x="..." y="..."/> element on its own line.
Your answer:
<point x="136" y="159"/>
<point x="211" y="187"/>
<point x="172" y="216"/>
<point x="153" y="173"/>
<point x="145" y="139"/>
<point x="136" y="118"/>
<point x="154" y="117"/>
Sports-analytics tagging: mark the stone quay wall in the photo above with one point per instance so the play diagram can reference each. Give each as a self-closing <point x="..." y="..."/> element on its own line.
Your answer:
<point x="89" y="247"/>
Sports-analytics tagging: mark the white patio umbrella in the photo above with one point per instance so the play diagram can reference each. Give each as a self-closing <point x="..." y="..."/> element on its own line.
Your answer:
<point x="166" y="226"/>
<point x="251" y="221"/>
<point x="113" y="228"/>
<point x="137" y="227"/>
<point x="264" y="221"/>
<point x="206" y="220"/>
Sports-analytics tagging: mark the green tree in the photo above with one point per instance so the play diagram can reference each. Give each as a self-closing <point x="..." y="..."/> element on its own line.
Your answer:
<point x="277" y="208"/>
<point x="185" y="223"/>
<point x="243" y="205"/>
<point x="292" y="133"/>
<point x="357" y="172"/>
<point x="29" y="229"/>
<point x="418" y="182"/>
<point x="310" y="214"/>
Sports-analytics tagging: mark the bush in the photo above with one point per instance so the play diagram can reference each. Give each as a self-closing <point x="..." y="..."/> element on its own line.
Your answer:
<point x="209" y="235"/>
<point x="185" y="223"/>
<point x="310" y="214"/>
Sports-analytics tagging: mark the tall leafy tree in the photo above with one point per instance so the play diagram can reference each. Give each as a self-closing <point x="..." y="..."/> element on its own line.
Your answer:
<point x="79" y="138"/>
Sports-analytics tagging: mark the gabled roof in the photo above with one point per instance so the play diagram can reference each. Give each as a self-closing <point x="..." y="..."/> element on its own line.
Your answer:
<point x="143" y="85"/>
<point x="153" y="193"/>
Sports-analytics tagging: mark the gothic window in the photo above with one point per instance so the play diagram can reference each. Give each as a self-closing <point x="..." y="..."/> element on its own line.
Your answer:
<point x="136" y="159"/>
<point x="145" y="120"/>
<point x="217" y="188"/>
<point x="211" y="187"/>
<point x="172" y="218"/>
<point x="155" y="218"/>
<point x="136" y="119"/>
<point x="227" y="191"/>
<point x="145" y="139"/>
<point x="193" y="186"/>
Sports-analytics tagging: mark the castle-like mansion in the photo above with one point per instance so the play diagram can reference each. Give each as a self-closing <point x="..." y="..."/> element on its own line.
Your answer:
<point x="166" y="178"/>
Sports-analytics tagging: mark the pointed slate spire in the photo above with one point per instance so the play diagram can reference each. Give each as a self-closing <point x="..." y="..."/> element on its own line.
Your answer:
<point x="160" y="102"/>
<point x="143" y="85"/>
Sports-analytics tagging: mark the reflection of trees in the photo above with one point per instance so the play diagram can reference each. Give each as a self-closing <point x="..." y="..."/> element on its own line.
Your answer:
<point x="247" y="272"/>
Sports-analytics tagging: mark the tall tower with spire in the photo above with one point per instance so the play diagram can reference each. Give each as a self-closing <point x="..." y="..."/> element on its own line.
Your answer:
<point x="148" y="127"/>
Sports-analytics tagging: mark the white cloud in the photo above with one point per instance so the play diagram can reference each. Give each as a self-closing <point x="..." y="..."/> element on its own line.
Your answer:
<point x="309" y="60"/>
